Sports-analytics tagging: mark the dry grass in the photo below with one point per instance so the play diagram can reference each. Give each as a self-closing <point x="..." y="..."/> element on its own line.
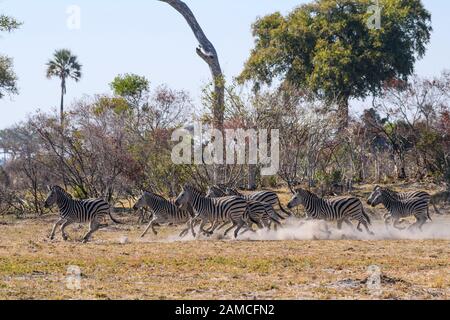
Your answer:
<point x="32" y="267"/>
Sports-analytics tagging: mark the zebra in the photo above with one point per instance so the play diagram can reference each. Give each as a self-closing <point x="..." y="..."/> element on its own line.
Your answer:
<point x="214" y="210"/>
<point x="164" y="212"/>
<point x="409" y="195"/>
<point x="77" y="211"/>
<point x="340" y="209"/>
<point x="265" y="196"/>
<point x="398" y="209"/>
<point x="261" y="213"/>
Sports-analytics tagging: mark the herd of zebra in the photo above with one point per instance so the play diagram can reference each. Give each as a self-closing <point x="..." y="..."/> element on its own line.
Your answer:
<point x="221" y="206"/>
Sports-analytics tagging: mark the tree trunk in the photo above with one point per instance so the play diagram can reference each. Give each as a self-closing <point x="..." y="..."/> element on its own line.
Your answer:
<point x="252" y="171"/>
<point x="63" y="92"/>
<point x="208" y="53"/>
<point x="343" y="112"/>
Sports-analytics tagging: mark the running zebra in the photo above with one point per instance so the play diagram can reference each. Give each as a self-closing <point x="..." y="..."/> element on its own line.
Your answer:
<point x="214" y="210"/>
<point x="164" y="212"/>
<point x="409" y="195"/>
<point x="260" y="213"/>
<point x="77" y="211"/>
<point x="340" y="209"/>
<point x="269" y="197"/>
<point x="398" y="209"/>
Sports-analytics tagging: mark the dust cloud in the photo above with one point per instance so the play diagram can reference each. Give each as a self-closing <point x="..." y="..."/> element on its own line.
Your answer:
<point x="296" y="229"/>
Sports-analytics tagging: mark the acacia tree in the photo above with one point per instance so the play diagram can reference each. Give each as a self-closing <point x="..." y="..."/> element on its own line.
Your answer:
<point x="328" y="48"/>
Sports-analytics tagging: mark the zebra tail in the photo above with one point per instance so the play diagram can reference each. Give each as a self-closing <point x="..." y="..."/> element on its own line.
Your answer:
<point x="282" y="209"/>
<point x="114" y="219"/>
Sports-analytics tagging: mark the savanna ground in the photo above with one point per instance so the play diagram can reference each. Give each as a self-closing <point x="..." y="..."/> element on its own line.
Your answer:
<point x="118" y="264"/>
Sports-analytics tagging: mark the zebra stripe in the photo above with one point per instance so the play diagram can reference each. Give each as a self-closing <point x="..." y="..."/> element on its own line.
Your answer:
<point x="266" y="196"/>
<point x="164" y="212"/>
<point x="260" y="213"/>
<point x="340" y="209"/>
<point x="398" y="209"/>
<point x="409" y="195"/>
<point x="77" y="211"/>
<point x="214" y="210"/>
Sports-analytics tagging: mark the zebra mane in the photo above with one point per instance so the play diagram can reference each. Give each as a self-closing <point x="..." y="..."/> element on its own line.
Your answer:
<point x="155" y="195"/>
<point x="389" y="193"/>
<point x="300" y="190"/>
<point x="194" y="190"/>
<point x="61" y="190"/>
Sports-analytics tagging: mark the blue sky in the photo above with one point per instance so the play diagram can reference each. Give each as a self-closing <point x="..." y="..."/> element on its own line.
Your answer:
<point x="149" y="38"/>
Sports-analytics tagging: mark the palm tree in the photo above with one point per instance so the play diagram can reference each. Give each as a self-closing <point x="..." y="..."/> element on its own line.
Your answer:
<point x="64" y="65"/>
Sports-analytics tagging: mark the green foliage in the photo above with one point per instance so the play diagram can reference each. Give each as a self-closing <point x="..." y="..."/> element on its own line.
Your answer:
<point x="64" y="65"/>
<point x="131" y="87"/>
<point x="327" y="47"/>
<point x="8" y="24"/>
<point x="8" y="78"/>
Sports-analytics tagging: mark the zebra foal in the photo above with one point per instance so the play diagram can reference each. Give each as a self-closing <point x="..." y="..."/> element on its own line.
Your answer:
<point x="77" y="211"/>
<point x="340" y="209"/>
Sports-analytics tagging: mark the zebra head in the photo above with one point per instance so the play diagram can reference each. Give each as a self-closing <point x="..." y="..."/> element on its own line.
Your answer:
<point x="376" y="196"/>
<point x="298" y="198"/>
<point x="185" y="197"/>
<point x="52" y="196"/>
<point x="140" y="203"/>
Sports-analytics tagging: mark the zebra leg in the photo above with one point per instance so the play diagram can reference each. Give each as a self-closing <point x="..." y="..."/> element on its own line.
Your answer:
<point x="193" y="223"/>
<point x="223" y="225"/>
<point x="52" y="234"/>
<point x="150" y="225"/>
<point x="387" y="221"/>
<point x="63" y="227"/>
<point x="240" y="224"/>
<point x="396" y="224"/>
<point x="93" y="226"/>
<point x="202" y="228"/>
<point x="229" y="229"/>
<point x="348" y="223"/>
<point x="184" y="232"/>
<point x="364" y="223"/>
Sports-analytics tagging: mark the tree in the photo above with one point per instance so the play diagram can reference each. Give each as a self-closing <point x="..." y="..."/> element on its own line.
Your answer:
<point x="208" y="53"/>
<point x="64" y="66"/>
<point x="327" y="47"/>
<point x="8" y="78"/>
<point x="133" y="88"/>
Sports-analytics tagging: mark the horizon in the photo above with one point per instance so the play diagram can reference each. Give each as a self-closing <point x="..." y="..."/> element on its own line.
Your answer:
<point x="152" y="40"/>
